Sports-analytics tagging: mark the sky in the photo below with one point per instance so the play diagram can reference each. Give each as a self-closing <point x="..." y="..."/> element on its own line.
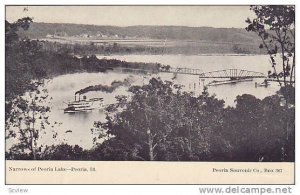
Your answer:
<point x="194" y="16"/>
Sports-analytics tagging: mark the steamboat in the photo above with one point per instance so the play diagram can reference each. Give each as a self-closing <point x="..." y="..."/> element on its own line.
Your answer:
<point x="84" y="105"/>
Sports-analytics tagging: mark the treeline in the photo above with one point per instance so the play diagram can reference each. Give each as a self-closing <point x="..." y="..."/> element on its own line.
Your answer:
<point x="109" y="49"/>
<point x="188" y="49"/>
<point x="162" y="123"/>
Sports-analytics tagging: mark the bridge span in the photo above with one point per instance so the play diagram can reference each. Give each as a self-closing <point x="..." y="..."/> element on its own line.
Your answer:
<point x="226" y="73"/>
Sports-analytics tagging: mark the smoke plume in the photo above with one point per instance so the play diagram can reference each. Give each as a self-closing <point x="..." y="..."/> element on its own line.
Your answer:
<point x="105" y="88"/>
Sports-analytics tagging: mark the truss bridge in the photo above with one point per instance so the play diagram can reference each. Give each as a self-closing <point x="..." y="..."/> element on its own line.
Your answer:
<point x="228" y="73"/>
<point x="232" y="74"/>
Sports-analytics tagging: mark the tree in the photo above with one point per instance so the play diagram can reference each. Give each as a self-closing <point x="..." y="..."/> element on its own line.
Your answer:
<point x="275" y="25"/>
<point x="27" y="121"/>
<point x="16" y="80"/>
<point x="11" y="29"/>
<point x="25" y="95"/>
<point x="140" y="122"/>
<point x="159" y="122"/>
<point x="254" y="129"/>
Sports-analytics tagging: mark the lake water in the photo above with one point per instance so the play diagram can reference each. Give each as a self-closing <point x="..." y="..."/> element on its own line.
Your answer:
<point x="62" y="89"/>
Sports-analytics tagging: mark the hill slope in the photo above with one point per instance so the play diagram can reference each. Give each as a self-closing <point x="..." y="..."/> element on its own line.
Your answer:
<point x="232" y="35"/>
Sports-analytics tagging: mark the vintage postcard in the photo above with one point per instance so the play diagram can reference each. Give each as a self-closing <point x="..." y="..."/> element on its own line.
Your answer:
<point x="150" y="94"/>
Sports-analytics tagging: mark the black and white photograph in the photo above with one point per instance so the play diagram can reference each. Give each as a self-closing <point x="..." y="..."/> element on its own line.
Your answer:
<point x="150" y="83"/>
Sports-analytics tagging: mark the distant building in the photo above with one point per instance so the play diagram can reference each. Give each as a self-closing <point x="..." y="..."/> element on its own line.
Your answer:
<point x="49" y="36"/>
<point x="85" y="35"/>
<point x="99" y="34"/>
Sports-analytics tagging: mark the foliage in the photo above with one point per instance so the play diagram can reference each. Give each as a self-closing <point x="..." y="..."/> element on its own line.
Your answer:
<point x="288" y="92"/>
<point x="63" y="152"/>
<point x="275" y="25"/>
<point x="160" y="122"/>
<point x="156" y="122"/>
<point x="25" y="117"/>
<point x="27" y="120"/>
<point x="114" y="149"/>
<point x="11" y="29"/>
<point x="256" y="129"/>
